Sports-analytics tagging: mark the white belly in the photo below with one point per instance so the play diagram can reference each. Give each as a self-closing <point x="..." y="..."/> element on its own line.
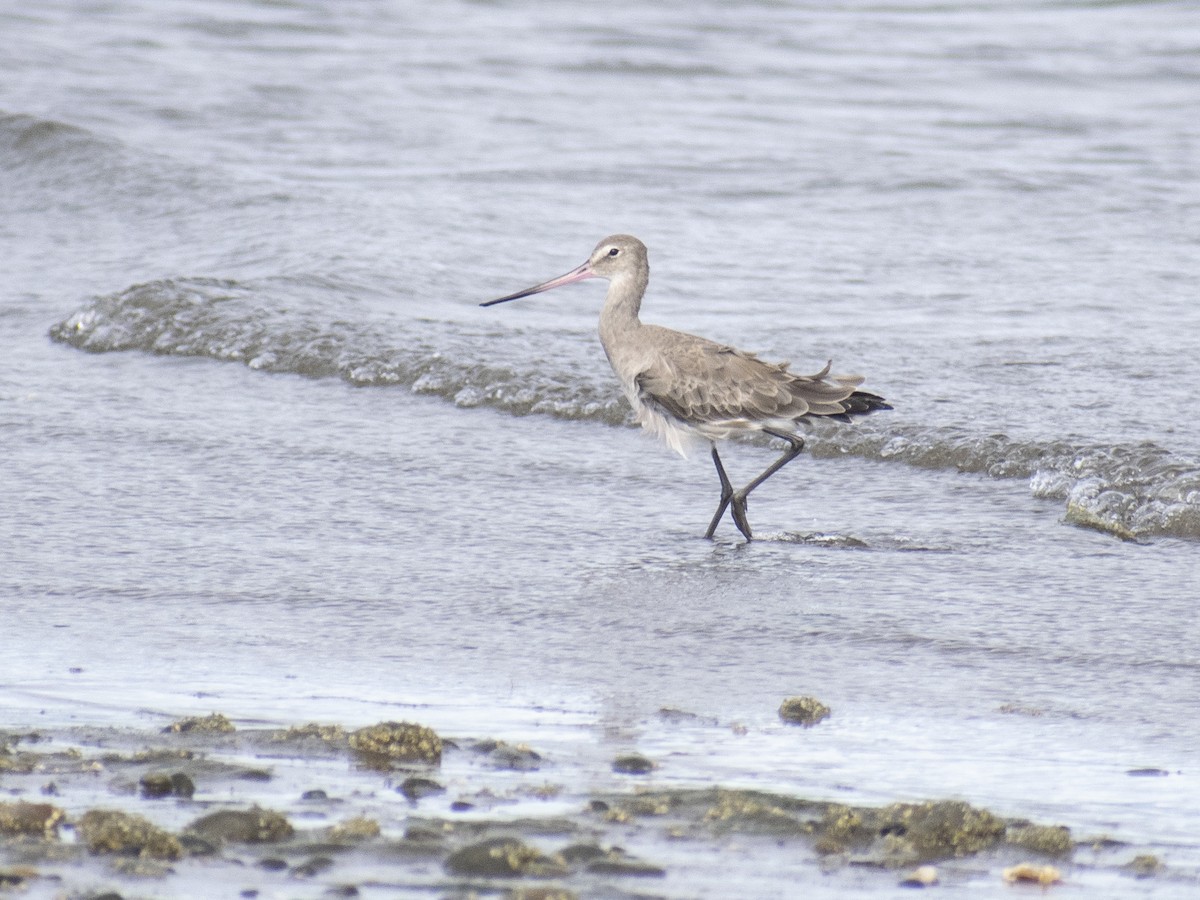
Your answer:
<point x="677" y="435"/>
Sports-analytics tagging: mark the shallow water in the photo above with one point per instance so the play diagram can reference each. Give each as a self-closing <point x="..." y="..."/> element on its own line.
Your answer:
<point x="299" y="474"/>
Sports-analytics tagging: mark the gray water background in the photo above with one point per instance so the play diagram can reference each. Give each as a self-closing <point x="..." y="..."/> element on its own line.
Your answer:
<point x="324" y="484"/>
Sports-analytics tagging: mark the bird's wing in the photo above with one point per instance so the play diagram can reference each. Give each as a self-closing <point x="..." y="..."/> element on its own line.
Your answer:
<point x="699" y="381"/>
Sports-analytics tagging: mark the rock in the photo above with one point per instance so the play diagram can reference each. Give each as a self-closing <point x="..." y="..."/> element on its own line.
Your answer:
<point x="806" y="711"/>
<point x="1028" y="872"/>
<point x="540" y="893"/>
<point x="1050" y="840"/>
<point x="359" y="828"/>
<point x="1145" y="865"/>
<point x="421" y="834"/>
<point x="746" y="813"/>
<point x="655" y="804"/>
<point x="312" y="867"/>
<point x="921" y="877"/>
<point x="17" y="763"/>
<point x="163" y="755"/>
<point x="503" y="857"/>
<point x="272" y="864"/>
<point x="617" y="865"/>
<point x="250" y="826"/>
<point x="155" y="784"/>
<point x="110" y="831"/>
<point x="33" y="819"/>
<point x="141" y="867"/>
<point x="908" y="833"/>
<point x="194" y="845"/>
<point x="582" y="853"/>
<point x="676" y="716"/>
<point x="839" y="826"/>
<point x="316" y="795"/>
<point x="17" y="877"/>
<point x="210" y="724"/>
<point x="399" y="742"/>
<point x="313" y="731"/>
<point x="632" y="764"/>
<point x="930" y="831"/>
<point x="415" y="788"/>
<point x="159" y="784"/>
<point x="828" y="846"/>
<point x="502" y="755"/>
<point x="545" y="791"/>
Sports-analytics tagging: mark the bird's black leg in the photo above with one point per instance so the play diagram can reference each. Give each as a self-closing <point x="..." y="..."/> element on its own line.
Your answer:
<point x="795" y="445"/>
<point x="738" y="500"/>
<point x="726" y="494"/>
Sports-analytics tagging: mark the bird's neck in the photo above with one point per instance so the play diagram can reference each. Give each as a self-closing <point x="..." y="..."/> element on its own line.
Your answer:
<point x="622" y="303"/>
<point x="619" y="327"/>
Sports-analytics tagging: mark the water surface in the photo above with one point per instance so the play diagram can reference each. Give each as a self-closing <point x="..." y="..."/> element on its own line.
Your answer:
<point x="264" y="453"/>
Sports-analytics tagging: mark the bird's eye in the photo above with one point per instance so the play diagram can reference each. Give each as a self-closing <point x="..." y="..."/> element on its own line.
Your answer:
<point x="614" y="251"/>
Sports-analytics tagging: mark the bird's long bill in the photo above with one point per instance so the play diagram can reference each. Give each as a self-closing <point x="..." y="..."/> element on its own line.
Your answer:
<point x="584" y="271"/>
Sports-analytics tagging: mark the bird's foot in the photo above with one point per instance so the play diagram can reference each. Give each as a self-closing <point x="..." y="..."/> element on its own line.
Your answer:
<point x="737" y="505"/>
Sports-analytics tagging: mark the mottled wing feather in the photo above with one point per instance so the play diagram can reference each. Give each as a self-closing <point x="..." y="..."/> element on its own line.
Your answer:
<point x="699" y="381"/>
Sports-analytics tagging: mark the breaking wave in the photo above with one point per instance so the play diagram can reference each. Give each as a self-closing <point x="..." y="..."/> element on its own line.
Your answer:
<point x="266" y="325"/>
<point x="1134" y="491"/>
<point x="1131" y="491"/>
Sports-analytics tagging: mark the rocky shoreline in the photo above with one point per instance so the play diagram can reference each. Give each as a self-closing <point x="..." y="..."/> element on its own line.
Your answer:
<point x="322" y="810"/>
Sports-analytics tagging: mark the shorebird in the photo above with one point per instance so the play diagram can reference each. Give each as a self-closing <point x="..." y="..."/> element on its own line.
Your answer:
<point x="684" y="387"/>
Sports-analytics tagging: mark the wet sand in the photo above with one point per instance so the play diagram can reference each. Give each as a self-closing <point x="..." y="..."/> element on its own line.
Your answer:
<point x="207" y="807"/>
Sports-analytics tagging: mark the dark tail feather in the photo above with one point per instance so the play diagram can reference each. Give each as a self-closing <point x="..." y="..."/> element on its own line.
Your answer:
<point x="862" y="402"/>
<point x="859" y="404"/>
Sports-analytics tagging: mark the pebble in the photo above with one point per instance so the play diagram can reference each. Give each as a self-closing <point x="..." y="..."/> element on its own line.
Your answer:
<point x="806" y="711"/>
<point x="632" y="764"/>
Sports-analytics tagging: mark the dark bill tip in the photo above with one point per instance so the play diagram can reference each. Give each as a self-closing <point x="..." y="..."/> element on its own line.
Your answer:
<point x="577" y="274"/>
